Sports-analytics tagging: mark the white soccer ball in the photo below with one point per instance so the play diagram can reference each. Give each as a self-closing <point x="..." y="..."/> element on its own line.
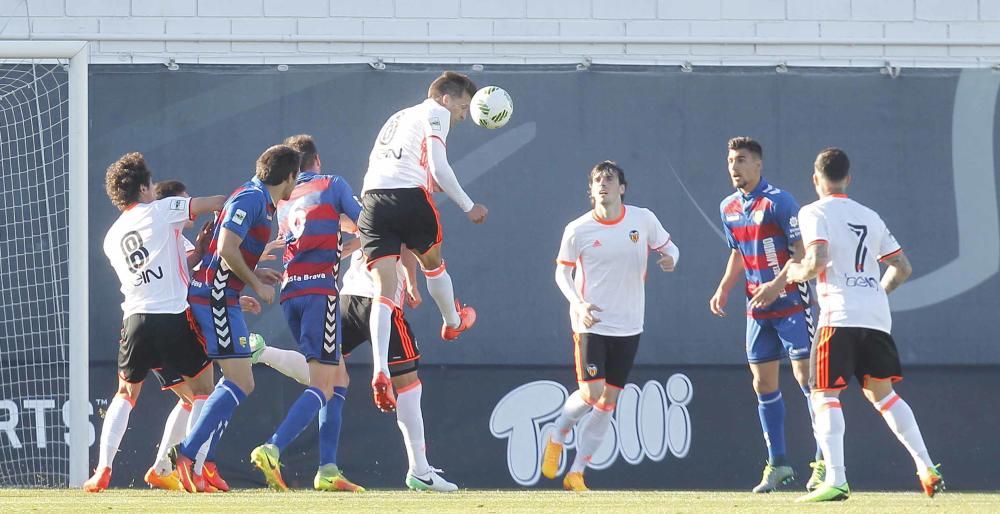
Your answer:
<point x="491" y="107"/>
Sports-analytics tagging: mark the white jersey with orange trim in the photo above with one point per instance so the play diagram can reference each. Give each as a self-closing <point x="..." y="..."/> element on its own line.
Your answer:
<point x="610" y="259"/>
<point x="146" y="249"/>
<point x="399" y="157"/>
<point x="849" y="289"/>
<point x="358" y="280"/>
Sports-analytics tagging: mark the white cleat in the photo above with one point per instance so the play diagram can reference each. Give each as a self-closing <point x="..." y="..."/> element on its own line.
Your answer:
<point x="430" y="481"/>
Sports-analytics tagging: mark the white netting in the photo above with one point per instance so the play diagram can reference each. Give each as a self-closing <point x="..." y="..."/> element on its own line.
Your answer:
<point x="34" y="235"/>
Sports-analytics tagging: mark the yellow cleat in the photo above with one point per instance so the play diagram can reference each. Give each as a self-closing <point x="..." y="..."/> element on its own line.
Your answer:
<point x="550" y="459"/>
<point x="168" y="482"/>
<point x="330" y="478"/>
<point x="574" y="482"/>
<point x="265" y="458"/>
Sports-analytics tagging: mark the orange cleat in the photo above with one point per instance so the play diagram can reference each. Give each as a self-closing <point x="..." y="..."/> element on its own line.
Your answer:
<point x="98" y="482"/>
<point x="213" y="478"/>
<point x="167" y="482"/>
<point x="385" y="398"/>
<point x="467" y="315"/>
<point x="932" y="482"/>
<point x="185" y="470"/>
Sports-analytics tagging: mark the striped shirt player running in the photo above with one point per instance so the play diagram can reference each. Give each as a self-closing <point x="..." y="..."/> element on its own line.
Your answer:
<point x="607" y="248"/>
<point x="242" y="231"/>
<point x="146" y="249"/>
<point x="409" y="161"/>
<point x="309" y="223"/>
<point x="762" y="229"/>
<point x="845" y="242"/>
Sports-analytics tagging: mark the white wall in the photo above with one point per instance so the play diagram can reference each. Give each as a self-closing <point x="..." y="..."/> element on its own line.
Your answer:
<point x="962" y="33"/>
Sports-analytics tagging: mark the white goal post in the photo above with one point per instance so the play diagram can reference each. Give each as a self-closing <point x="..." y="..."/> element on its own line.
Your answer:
<point x="77" y="52"/>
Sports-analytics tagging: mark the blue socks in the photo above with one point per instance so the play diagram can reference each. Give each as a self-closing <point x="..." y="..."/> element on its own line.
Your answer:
<point x="299" y="416"/>
<point x="329" y="426"/>
<point x="218" y="410"/>
<point x="771" y="408"/>
<point x="812" y="419"/>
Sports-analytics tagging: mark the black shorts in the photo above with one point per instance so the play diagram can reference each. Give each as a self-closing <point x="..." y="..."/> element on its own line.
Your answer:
<point x="607" y="358"/>
<point x="391" y="217"/>
<point x="151" y="341"/>
<point x="168" y="377"/>
<point x="404" y="354"/>
<point x="842" y="352"/>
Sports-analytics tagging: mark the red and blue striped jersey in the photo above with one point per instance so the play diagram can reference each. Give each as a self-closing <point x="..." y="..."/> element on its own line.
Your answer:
<point x="309" y="222"/>
<point x="763" y="225"/>
<point x="248" y="213"/>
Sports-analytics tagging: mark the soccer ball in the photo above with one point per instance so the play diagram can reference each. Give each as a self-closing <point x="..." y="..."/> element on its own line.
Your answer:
<point x="491" y="107"/>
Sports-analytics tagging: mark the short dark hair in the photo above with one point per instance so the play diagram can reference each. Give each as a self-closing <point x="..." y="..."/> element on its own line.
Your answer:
<point x="124" y="179"/>
<point x="305" y="145"/>
<point x="277" y="163"/>
<point x="168" y="188"/>
<point x="608" y="168"/>
<point x="453" y="84"/>
<point x="746" y="143"/>
<point x="833" y="164"/>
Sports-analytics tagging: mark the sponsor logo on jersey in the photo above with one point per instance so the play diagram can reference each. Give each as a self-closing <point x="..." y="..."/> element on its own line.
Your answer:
<point x="436" y="124"/>
<point x="239" y="216"/>
<point x="177" y="205"/>
<point x="861" y="281"/>
<point x="732" y="217"/>
<point x="793" y="221"/>
<point x="633" y="236"/>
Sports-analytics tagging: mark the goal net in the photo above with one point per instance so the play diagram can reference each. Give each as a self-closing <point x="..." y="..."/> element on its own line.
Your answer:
<point x="40" y="354"/>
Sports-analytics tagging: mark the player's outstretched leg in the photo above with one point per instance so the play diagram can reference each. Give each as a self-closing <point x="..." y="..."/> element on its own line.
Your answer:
<point x="112" y="431"/>
<point x="898" y="415"/>
<point x="420" y="476"/>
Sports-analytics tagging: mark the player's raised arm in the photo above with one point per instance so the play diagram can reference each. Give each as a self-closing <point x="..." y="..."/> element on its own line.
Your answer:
<point x="203" y="204"/>
<point x="444" y="176"/>
<point x="229" y="250"/>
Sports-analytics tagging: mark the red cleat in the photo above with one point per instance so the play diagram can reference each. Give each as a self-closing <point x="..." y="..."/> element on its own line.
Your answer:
<point x="185" y="470"/>
<point x="467" y="315"/>
<point x="385" y="398"/>
<point x="98" y="482"/>
<point x="213" y="478"/>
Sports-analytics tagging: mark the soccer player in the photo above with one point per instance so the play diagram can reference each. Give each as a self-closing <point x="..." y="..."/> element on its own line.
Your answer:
<point x="145" y="248"/>
<point x="241" y="233"/>
<point x="763" y="234"/>
<point x="408" y="161"/>
<point x="310" y="223"/>
<point x="357" y="294"/>
<point x="845" y="242"/>
<point x="608" y="249"/>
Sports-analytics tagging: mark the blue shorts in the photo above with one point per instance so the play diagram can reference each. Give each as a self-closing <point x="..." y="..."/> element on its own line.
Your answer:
<point x="315" y="323"/>
<point x="777" y="338"/>
<point x="224" y="330"/>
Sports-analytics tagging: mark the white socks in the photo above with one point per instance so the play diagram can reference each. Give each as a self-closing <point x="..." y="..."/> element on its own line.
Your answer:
<point x="572" y="411"/>
<point x="290" y="363"/>
<point x="590" y="436"/>
<point x="829" y="429"/>
<point x="899" y="417"/>
<point x="380" y="324"/>
<point x="440" y="288"/>
<point x="173" y="432"/>
<point x="411" y="423"/>
<point x="113" y="429"/>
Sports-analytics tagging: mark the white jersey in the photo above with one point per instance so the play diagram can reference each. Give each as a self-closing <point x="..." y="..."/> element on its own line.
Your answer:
<point x="849" y="289"/>
<point x="358" y="280"/>
<point x="610" y="259"/>
<point x="399" y="157"/>
<point x="146" y="249"/>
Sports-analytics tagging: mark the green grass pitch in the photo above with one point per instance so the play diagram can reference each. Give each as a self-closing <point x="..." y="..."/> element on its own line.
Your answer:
<point x="296" y="502"/>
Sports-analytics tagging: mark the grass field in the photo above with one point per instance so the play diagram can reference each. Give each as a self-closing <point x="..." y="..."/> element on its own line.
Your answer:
<point x="259" y="500"/>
